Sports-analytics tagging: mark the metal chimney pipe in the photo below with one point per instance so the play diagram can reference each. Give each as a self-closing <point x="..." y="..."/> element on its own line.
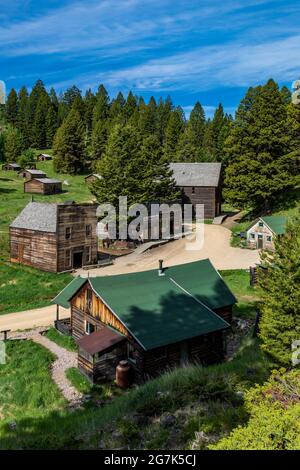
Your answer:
<point x="160" y="267"/>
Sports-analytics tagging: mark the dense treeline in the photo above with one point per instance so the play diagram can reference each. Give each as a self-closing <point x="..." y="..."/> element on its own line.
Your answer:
<point x="259" y="150"/>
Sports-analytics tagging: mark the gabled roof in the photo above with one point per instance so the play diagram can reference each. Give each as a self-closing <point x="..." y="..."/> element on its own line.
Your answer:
<point x="35" y="172"/>
<point x="277" y="223"/>
<point x="37" y="216"/>
<point x="46" y="180"/>
<point x="196" y="174"/>
<point x="160" y="310"/>
<point x="13" y="165"/>
<point x="67" y="293"/>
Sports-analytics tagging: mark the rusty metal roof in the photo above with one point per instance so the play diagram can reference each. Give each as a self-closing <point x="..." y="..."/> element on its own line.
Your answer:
<point x="100" y="341"/>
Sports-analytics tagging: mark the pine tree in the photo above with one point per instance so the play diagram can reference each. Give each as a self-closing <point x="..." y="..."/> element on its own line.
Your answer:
<point x="2" y="147"/>
<point x="39" y="133"/>
<point x="197" y="125"/>
<point x="258" y="168"/>
<point x="69" y="145"/>
<point x="11" y="107"/>
<point x="13" y="144"/>
<point x="164" y="109"/>
<point x="130" y="107"/>
<point x="27" y="157"/>
<point x="175" y="127"/>
<point x="187" y="151"/>
<point x="280" y="309"/>
<point x="116" y="111"/>
<point x="23" y="116"/>
<point x="51" y="125"/>
<point x="207" y="153"/>
<point x="90" y="101"/>
<point x="148" y="123"/>
<point x="99" y="140"/>
<point x="101" y="109"/>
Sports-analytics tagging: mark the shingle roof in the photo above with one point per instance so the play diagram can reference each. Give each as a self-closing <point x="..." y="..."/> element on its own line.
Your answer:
<point x="196" y="174"/>
<point x="37" y="216"/>
<point x="160" y="310"/>
<point x="277" y="223"/>
<point x="47" y="180"/>
<point x="14" y="165"/>
<point x="35" y="172"/>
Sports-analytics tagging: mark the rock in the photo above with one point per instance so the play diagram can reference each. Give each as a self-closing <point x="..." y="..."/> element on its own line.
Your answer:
<point x="240" y="394"/>
<point x="13" y="425"/>
<point x="167" y="419"/>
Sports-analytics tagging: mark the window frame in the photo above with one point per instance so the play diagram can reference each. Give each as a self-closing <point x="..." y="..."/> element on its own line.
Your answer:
<point x="68" y="233"/>
<point x="88" y="230"/>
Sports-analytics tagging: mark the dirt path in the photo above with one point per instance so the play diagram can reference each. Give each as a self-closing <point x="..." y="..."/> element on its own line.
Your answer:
<point x="31" y="318"/>
<point x="65" y="360"/>
<point x="216" y="247"/>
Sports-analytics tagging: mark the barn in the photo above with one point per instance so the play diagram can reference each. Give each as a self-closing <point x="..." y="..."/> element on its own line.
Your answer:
<point x="11" y="167"/>
<point x="43" y="186"/>
<point x="30" y="174"/>
<point x="200" y="183"/>
<point x="155" y="319"/>
<point x="54" y="237"/>
<point x="43" y="157"/>
<point x="262" y="233"/>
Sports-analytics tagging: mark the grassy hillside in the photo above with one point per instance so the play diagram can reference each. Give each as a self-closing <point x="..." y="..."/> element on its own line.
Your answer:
<point x="23" y="287"/>
<point x="162" y="414"/>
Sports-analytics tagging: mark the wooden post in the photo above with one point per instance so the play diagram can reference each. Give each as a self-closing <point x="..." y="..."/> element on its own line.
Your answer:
<point x="57" y="312"/>
<point x="5" y="334"/>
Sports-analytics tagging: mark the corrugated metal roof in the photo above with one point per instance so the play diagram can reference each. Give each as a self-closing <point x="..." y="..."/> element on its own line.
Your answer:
<point x="37" y="216"/>
<point x="100" y="341"/>
<point x="47" y="180"/>
<point x="160" y="310"/>
<point x="196" y="174"/>
<point x="35" y="172"/>
<point x="67" y="293"/>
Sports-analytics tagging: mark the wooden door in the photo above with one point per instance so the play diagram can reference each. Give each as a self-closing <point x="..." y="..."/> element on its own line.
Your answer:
<point x="260" y="242"/>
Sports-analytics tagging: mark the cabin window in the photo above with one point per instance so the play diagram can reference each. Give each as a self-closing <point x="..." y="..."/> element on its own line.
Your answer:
<point x="160" y="354"/>
<point x="269" y="238"/>
<point x="252" y="236"/>
<point x="89" y="296"/>
<point x="68" y="233"/>
<point x="193" y="190"/>
<point x="68" y="258"/>
<point x="89" y="328"/>
<point x="88" y="254"/>
<point x="131" y="353"/>
<point x="88" y="230"/>
<point x="261" y="224"/>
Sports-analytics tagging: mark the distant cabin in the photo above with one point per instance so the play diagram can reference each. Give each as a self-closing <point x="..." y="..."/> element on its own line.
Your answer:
<point x="54" y="237"/>
<point x="92" y="177"/>
<point x="43" y="157"/>
<point x="11" y="167"/>
<point x="200" y="183"/>
<point x="156" y="320"/>
<point x="32" y="173"/>
<point x="263" y="231"/>
<point x="43" y="186"/>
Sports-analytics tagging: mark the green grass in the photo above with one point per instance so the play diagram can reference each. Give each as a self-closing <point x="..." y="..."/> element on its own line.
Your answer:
<point x="26" y="387"/>
<point x="103" y="392"/>
<point x="22" y="287"/>
<point x="62" y="340"/>
<point x="212" y="391"/>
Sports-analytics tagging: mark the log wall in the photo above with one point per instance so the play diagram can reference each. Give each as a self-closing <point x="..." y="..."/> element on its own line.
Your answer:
<point x="209" y="196"/>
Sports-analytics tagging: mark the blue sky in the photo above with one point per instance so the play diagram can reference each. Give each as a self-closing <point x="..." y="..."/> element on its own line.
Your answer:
<point x="206" y="50"/>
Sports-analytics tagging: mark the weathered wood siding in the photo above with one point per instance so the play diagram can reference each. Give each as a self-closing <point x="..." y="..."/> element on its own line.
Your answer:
<point x="257" y="230"/>
<point x="37" y="187"/>
<point x="32" y="248"/>
<point x="209" y="196"/>
<point x="76" y="217"/>
<point x="225" y="313"/>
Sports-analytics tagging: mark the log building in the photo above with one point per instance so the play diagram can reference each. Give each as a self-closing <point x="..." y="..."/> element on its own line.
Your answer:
<point x="262" y="233"/>
<point x="55" y="237"/>
<point x="155" y="319"/>
<point x="43" y="186"/>
<point x="30" y="174"/>
<point x="11" y="167"/>
<point x="200" y="183"/>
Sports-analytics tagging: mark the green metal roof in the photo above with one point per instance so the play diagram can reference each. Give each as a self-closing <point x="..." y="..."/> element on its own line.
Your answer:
<point x="67" y="293"/>
<point x="277" y="223"/>
<point x="160" y="310"/>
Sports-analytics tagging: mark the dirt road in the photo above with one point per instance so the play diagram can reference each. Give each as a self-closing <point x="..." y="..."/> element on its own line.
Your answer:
<point x="31" y="318"/>
<point x="216" y="247"/>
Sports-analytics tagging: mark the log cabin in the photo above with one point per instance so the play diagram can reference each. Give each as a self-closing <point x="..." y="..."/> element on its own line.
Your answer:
<point x="155" y="319"/>
<point x="262" y="233"/>
<point x="11" y="167"/>
<point x="55" y="237"/>
<point x="200" y="183"/>
<point x="30" y="174"/>
<point x="43" y="186"/>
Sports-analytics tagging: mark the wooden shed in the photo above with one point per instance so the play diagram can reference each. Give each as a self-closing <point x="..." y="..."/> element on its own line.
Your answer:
<point x="55" y="237"/>
<point x="43" y="186"/>
<point x="155" y="319"/>
<point x="43" y="157"/>
<point x="30" y="174"/>
<point x="11" y="167"/>
<point x="200" y="183"/>
<point x="262" y="233"/>
<point x="92" y="177"/>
